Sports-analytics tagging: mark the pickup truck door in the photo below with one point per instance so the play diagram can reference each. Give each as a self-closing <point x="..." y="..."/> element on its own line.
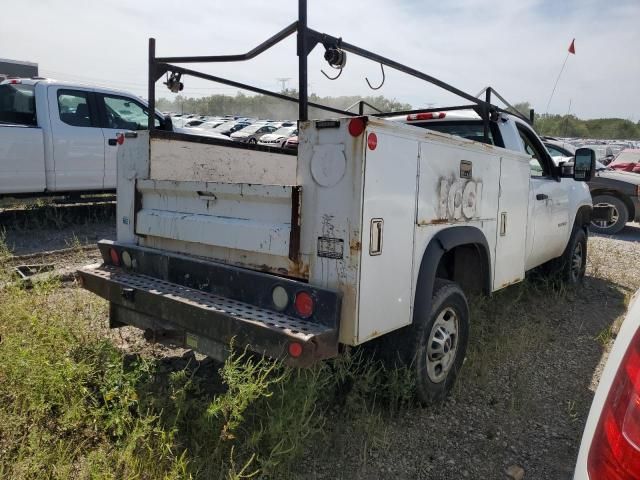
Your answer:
<point x="78" y="144"/>
<point x="548" y="218"/>
<point x="119" y="114"/>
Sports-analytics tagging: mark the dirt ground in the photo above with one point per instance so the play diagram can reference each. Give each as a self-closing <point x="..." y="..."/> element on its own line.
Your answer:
<point x="524" y="393"/>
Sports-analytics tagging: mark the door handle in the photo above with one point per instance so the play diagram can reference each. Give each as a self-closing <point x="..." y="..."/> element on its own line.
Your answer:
<point x="113" y="142"/>
<point x="542" y="196"/>
<point x="375" y="239"/>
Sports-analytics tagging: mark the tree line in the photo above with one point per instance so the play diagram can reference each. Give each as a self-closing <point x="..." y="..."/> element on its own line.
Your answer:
<point x="263" y="106"/>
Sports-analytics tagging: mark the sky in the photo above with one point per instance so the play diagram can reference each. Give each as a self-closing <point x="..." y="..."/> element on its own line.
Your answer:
<point x="517" y="47"/>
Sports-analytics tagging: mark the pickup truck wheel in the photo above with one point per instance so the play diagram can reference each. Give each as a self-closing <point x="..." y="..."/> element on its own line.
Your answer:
<point x="619" y="218"/>
<point x="440" y="342"/>
<point x="574" y="259"/>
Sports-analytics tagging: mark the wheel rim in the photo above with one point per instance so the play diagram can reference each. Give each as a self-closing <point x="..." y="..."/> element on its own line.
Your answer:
<point x="253" y="140"/>
<point x="442" y="345"/>
<point x="576" y="261"/>
<point x="614" y="216"/>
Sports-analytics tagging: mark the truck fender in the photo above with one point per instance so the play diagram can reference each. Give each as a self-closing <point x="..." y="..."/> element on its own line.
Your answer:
<point x="582" y="217"/>
<point x="442" y="242"/>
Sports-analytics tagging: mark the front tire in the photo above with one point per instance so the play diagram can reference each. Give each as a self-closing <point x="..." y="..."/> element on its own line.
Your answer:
<point x="573" y="263"/>
<point x="619" y="219"/>
<point x="439" y="342"/>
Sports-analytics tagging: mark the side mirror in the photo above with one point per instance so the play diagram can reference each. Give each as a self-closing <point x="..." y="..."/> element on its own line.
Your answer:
<point x="585" y="164"/>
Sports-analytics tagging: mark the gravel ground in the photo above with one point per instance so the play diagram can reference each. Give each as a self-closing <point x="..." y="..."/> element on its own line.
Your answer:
<point x="522" y="398"/>
<point x="524" y="393"/>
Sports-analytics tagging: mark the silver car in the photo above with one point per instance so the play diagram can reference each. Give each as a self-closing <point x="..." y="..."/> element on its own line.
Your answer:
<point x="252" y="133"/>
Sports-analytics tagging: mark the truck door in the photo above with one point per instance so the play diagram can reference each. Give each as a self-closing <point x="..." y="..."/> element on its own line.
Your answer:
<point x="388" y="223"/>
<point x="78" y="144"/>
<point x="119" y="114"/>
<point x="512" y="222"/>
<point x="548" y="217"/>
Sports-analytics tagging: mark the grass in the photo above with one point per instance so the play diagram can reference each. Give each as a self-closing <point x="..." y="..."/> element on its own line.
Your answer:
<point x="72" y="405"/>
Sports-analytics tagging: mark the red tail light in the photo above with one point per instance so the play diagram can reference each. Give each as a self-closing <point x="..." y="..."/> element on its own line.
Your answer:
<point x="115" y="257"/>
<point x="615" y="449"/>
<point x="356" y="126"/>
<point x="295" y="349"/>
<point x="425" y="116"/>
<point x="304" y="304"/>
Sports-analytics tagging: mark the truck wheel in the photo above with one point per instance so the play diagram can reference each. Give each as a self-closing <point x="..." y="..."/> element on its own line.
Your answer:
<point x="619" y="219"/>
<point x="440" y="342"/>
<point x="573" y="262"/>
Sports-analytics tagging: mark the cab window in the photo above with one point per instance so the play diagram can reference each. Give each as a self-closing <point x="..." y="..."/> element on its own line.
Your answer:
<point x="122" y="112"/>
<point x="538" y="163"/>
<point x="74" y="108"/>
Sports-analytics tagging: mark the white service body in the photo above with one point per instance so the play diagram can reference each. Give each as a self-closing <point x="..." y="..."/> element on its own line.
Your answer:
<point x="368" y="209"/>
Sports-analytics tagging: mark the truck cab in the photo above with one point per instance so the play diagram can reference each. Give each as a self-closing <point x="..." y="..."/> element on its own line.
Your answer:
<point x="61" y="137"/>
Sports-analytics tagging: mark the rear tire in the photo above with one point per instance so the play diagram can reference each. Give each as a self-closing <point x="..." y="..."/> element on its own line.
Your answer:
<point x="620" y="211"/>
<point x="438" y="342"/>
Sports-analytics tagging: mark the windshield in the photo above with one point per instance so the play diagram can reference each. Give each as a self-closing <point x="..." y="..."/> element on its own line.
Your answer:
<point x="285" y="131"/>
<point x="225" y="126"/>
<point x="210" y="124"/>
<point x="252" y="128"/>
<point x="18" y="104"/>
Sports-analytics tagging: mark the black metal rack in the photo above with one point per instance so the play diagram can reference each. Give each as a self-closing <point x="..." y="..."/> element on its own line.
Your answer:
<point x="335" y="48"/>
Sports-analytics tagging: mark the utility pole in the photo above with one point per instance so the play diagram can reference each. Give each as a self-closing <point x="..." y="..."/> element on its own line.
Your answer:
<point x="283" y="81"/>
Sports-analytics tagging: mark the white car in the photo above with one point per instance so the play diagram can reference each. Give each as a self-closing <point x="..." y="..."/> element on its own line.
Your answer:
<point x="252" y="133"/>
<point x="278" y="137"/>
<point x="610" y="447"/>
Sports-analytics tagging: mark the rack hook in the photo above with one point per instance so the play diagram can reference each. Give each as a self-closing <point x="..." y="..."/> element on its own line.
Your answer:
<point x="332" y="78"/>
<point x="381" y="83"/>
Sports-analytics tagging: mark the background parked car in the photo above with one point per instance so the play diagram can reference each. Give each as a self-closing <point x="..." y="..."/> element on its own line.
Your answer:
<point x="278" y="137"/>
<point x="627" y="161"/>
<point x="610" y="447"/>
<point x="619" y="190"/>
<point x="291" y="143"/>
<point x="252" y="133"/>
<point x="604" y="153"/>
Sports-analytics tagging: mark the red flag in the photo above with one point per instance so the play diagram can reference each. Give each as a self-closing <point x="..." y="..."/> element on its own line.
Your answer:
<point x="572" y="47"/>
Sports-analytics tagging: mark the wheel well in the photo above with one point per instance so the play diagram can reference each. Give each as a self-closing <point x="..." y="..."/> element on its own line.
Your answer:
<point x="467" y="266"/>
<point x="624" y="199"/>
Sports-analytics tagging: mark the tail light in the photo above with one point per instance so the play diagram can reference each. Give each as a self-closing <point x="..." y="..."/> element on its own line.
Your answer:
<point x="425" y="116"/>
<point x="115" y="257"/>
<point x="295" y="349"/>
<point x="356" y="126"/>
<point x="304" y="304"/>
<point x="615" y="448"/>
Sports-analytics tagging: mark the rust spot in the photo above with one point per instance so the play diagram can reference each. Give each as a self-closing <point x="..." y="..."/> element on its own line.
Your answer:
<point x="373" y="334"/>
<point x="513" y="282"/>
<point x="355" y="246"/>
<point x="298" y="269"/>
<point x="436" y="221"/>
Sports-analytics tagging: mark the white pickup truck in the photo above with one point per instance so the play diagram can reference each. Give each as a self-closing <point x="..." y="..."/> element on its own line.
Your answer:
<point x="376" y="229"/>
<point x="58" y="137"/>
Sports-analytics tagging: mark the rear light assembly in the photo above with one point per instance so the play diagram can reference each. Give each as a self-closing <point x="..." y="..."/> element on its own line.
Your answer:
<point x="304" y="304"/>
<point x="425" y="116"/>
<point x="114" y="256"/>
<point x="280" y="298"/>
<point x="295" y="349"/>
<point x="615" y="449"/>
<point x="356" y="126"/>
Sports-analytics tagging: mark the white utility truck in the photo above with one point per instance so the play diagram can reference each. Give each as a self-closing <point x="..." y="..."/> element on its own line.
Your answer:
<point x="59" y="137"/>
<point x="375" y="229"/>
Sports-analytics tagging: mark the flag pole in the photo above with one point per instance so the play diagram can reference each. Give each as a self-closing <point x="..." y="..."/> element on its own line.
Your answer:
<point x="557" y="80"/>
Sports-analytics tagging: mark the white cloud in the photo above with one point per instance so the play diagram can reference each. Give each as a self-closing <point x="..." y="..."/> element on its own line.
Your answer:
<point x="517" y="47"/>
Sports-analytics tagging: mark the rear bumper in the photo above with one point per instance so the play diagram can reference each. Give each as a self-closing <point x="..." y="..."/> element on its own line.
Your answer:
<point x="204" y="305"/>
